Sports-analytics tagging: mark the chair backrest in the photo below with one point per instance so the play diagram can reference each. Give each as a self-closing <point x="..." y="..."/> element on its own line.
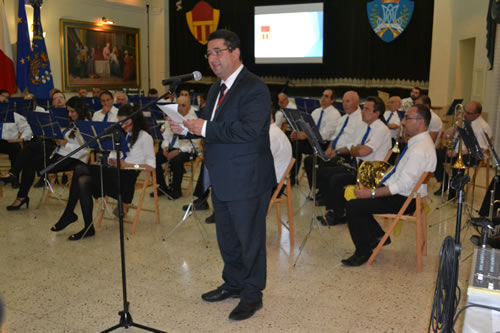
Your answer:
<point x="388" y="155"/>
<point x="287" y="172"/>
<point x="424" y="179"/>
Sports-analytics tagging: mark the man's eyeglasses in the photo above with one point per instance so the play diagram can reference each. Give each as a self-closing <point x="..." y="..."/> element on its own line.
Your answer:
<point x="216" y="52"/>
<point x="410" y="118"/>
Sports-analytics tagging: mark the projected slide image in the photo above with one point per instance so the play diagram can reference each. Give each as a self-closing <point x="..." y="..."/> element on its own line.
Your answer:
<point x="293" y="37"/>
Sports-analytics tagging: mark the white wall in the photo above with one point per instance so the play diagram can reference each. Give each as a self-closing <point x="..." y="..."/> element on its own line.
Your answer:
<point x="454" y="21"/>
<point x="128" y="13"/>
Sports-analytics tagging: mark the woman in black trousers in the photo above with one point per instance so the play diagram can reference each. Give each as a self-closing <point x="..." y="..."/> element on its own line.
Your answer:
<point x="31" y="157"/>
<point x="86" y="180"/>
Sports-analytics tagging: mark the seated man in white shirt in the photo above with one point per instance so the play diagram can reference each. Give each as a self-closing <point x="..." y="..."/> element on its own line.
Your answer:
<point x="280" y="148"/>
<point x="370" y="145"/>
<point x="176" y="152"/>
<point x="121" y="98"/>
<point x="410" y="101"/>
<point x="108" y="112"/>
<point x="436" y="125"/>
<point x="284" y="103"/>
<point x="472" y="114"/>
<point x="326" y="118"/>
<point x="396" y="186"/>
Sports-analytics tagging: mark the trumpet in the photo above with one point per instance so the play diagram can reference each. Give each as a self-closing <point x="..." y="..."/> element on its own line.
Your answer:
<point x="395" y="148"/>
<point x="459" y="111"/>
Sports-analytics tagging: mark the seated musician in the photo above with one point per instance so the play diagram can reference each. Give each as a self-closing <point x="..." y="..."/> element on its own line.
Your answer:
<point x="372" y="145"/>
<point x="176" y="151"/>
<point x="87" y="181"/>
<point x="326" y="118"/>
<point x="436" y="125"/>
<point x="418" y="157"/>
<point x="472" y="113"/>
<point x="346" y="134"/>
<point x="12" y="135"/>
<point x="31" y="158"/>
<point x="108" y="111"/>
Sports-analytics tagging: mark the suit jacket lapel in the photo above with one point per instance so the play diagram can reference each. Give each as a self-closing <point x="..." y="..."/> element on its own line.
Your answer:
<point x="234" y="87"/>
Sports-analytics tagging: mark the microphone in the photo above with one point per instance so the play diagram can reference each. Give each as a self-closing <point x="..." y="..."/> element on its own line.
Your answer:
<point x="196" y="76"/>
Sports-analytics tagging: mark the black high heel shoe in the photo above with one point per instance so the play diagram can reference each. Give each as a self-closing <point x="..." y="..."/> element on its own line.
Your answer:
<point x="22" y="202"/>
<point x="64" y="222"/>
<point x="82" y="234"/>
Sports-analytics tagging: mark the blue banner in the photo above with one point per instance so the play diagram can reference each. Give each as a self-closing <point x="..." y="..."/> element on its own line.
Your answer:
<point x="40" y="76"/>
<point x="23" y="48"/>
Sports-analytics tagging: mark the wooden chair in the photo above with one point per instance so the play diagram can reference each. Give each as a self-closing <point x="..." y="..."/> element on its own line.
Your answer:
<point x="419" y="218"/>
<point x="52" y="179"/>
<point x="484" y="163"/>
<point x="149" y="181"/>
<point x="277" y="201"/>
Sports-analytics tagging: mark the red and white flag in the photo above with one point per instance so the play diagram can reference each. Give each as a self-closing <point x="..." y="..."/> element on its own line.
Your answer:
<point x="7" y="73"/>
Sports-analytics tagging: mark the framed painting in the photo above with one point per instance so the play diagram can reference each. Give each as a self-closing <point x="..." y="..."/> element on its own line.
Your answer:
<point x="99" y="55"/>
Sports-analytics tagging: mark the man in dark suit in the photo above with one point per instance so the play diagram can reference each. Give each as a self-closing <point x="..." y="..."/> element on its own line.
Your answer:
<point x="239" y="166"/>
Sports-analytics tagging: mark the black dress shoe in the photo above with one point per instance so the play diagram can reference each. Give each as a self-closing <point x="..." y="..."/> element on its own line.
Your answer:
<point x="84" y="233"/>
<point x="161" y="192"/>
<point x="439" y="191"/>
<point x="210" y="219"/>
<point x="21" y="203"/>
<point x="330" y="219"/>
<point x="356" y="260"/>
<point x="199" y="204"/>
<point x="40" y="183"/>
<point x="245" y="310"/>
<point x="64" y="221"/>
<point x="220" y="294"/>
<point x="375" y="242"/>
<point x="9" y="179"/>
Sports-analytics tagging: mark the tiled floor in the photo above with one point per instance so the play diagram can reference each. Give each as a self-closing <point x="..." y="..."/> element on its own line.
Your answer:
<point x="50" y="284"/>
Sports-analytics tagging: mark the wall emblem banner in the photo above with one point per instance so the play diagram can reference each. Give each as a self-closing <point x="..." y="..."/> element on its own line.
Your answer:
<point x="389" y="18"/>
<point x="202" y="20"/>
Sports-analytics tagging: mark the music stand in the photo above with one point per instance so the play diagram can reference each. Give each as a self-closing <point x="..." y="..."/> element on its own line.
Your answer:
<point x="316" y="141"/>
<point x="61" y="116"/>
<point x="452" y="248"/>
<point x="43" y="125"/>
<point x="91" y="129"/>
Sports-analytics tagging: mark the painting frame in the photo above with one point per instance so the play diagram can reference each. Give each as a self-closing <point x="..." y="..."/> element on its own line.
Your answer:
<point x="95" y="55"/>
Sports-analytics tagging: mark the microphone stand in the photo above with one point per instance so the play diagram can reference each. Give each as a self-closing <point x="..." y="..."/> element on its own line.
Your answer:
<point x="125" y="317"/>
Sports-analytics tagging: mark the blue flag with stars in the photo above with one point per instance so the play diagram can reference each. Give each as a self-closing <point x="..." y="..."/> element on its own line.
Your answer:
<point x="23" y="48"/>
<point x="40" y="76"/>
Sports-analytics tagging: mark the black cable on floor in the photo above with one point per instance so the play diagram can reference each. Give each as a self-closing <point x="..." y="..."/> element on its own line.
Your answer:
<point x="445" y="294"/>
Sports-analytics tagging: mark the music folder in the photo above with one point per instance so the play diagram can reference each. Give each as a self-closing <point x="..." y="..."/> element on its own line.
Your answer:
<point x="44" y="125"/>
<point x="90" y="129"/>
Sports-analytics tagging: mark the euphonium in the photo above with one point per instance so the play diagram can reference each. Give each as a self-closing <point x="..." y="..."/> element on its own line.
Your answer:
<point x="370" y="175"/>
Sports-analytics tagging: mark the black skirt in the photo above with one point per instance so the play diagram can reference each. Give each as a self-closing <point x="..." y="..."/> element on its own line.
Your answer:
<point x="110" y="183"/>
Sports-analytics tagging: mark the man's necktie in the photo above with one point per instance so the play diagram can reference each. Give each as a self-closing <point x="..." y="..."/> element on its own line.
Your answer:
<point x="172" y="143"/>
<point x="393" y="169"/>
<point x="320" y="118"/>
<point x="222" y="94"/>
<point x="106" y="116"/>
<point x="390" y="116"/>
<point x="366" y="135"/>
<point x="334" y="143"/>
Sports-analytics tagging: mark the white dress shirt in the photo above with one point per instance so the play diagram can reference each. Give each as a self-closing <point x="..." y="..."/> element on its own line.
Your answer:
<point x="329" y="121"/>
<point x="183" y="145"/>
<point x="72" y="144"/>
<point x="10" y="131"/>
<point x="394" y="120"/>
<point x="479" y="126"/>
<point x="420" y="157"/>
<point x="142" y="152"/>
<point x="436" y="125"/>
<point x="279" y="118"/>
<point x="112" y="117"/>
<point x="229" y="83"/>
<point x="281" y="148"/>
<point x="379" y="140"/>
<point x="355" y="128"/>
